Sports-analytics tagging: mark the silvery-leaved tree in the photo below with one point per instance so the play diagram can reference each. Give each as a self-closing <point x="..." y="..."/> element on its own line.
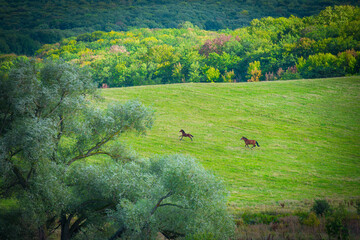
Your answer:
<point x="52" y="130"/>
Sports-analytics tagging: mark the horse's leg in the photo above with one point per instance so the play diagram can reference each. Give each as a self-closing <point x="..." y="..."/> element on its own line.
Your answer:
<point x="181" y="138"/>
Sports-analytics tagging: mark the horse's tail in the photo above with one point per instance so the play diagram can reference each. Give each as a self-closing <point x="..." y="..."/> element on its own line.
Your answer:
<point x="257" y="144"/>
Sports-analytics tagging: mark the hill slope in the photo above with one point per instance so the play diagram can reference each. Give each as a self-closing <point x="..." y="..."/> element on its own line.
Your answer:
<point x="308" y="131"/>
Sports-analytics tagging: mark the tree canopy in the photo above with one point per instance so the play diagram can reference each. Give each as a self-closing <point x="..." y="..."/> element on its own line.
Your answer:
<point x="28" y="24"/>
<point x="282" y="48"/>
<point x="51" y="127"/>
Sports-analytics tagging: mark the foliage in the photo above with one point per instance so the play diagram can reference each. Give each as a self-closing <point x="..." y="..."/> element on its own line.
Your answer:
<point x="52" y="129"/>
<point x="321" y="207"/>
<point x="26" y="25"/>
<point x="357" y="206"/>
<point x="293" y="48"/>
<point x="264" y="218"/>
<point x="212" y="74"/>
<point x="335" y="223"/>
<point x="43" y="107"/>
<point x="228" y="76"/>
<point x="254" y="72"/>
<point x="270" y="76"/>
<point x="214" y="46"/>
<point x="320" y="65"/>
<point x="343" y="226"/>
<point x="290" y="73"/>
<point x="312" y="220"/>
<point x="172" y="195"/>
<point x="302" y="215"/>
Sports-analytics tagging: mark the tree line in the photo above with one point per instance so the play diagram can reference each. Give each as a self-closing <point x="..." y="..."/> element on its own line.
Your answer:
<point x="28" y="24"/>
<point x="324" y="45"/>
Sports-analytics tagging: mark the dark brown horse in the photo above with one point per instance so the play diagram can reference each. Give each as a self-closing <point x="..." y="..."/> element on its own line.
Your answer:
<point x="185" y="135"/>
<point x="252" y="142"/>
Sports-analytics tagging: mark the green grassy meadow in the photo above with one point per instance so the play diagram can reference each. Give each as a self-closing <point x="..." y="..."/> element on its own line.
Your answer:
<point x="308" y="131"/>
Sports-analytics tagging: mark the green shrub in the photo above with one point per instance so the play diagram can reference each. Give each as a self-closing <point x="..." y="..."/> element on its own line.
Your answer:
<point x="335" y="224"/>
<point x="301" y="215"/>
<point x="264" y="218"/>
<point x="12" y="226"/>
<point x="201" y="236"/>
<point x="312" y="220"/>
<point x="290" y="74"/>
<point x="321" y="207"/>
<point x="357" y="206"/>
<point x="320" y="65"/>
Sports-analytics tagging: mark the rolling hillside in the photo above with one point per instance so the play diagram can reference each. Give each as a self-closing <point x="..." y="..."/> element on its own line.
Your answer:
<point x="308" y="131"/>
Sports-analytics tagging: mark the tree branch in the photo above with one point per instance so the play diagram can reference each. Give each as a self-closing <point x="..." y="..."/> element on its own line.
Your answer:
<point x="171" y="204"/>
<point x="97" y="146"/>
<point x="30" y="172"/>
<point x="54" y="229"/>
<point x="122" y="229"/>
<point x="81" y="220"/>
<point x="118" y="233"/>
<point x="13" y="154"/>
<point x="76" y="225"/>
<point x="21" y="180"/>
<point x="20" y="177"/>
<point x="61" y="124"/>
<point x="5" y="118"/>
<point x="159" y="202"/>
<point x="57" y="105"/>
<point x="171" y="234"/>
<point x="5" y="190"/>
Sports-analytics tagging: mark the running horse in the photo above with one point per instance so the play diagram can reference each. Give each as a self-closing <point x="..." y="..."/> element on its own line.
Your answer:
<point x="252" y="142"/>
<point x="184" y="134"/>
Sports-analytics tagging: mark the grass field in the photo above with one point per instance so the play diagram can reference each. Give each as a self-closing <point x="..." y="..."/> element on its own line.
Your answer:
<point x="308" y="130"/>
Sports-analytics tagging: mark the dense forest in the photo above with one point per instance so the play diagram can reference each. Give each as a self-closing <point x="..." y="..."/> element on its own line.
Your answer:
<point x="27" y="24"/>
<point x="323" y="45"/>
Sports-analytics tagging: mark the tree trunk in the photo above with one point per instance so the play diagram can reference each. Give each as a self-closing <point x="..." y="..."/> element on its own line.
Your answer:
<point x="42" y="233"/>
<point x="65" y="227"/>
<point x="118" y="233"/>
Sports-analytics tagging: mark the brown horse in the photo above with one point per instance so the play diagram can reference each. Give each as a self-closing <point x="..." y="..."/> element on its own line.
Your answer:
<point x="252" y="142"/>
<point x="185" y="135"/>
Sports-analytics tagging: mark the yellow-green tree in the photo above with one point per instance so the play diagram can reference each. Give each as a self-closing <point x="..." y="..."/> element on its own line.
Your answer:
<point x="254" y="72"/>
<point x="212" y="74"/>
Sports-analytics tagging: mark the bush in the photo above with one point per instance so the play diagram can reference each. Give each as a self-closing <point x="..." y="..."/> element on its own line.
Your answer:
<point x="312" y="220"/>
<point x="290" y="73"/>
<point x="201" y="236"/>
<point x="335" y="224"/>
<point x="321" y="207"/>
<point x="320" y="65"/>
<point x="301" y="215"/>
<point x="12" y="226"/>
<point x="358" y="207"/>
<point x="264" y="218"/>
